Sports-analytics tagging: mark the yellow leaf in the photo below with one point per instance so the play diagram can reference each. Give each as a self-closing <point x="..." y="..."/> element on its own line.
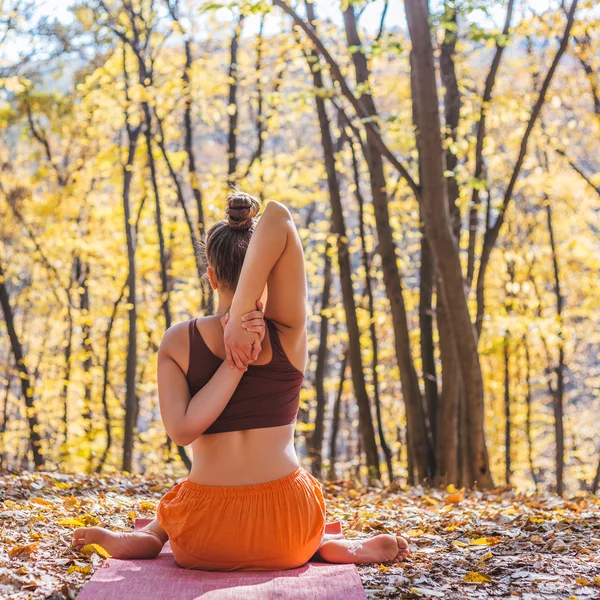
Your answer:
<point x="91" y="548"/>
<point x="132" y="515"/>
<point x="486" y="541"/>
<point x="62" y="486"/>
<point x="486" y="556"/>
<point x="77" y="569"/>
<point x="480" y="542"/>
<point x="451" y="488"/>
<point x="430" y="500"/>
<point x="71" y="522"/>
<point x="460" y="544"/>
<point x="536" y="520"/>
<point x="89" y="520"/>
<point x="147" y="506"/>
<point x="582" y="581"/>
<point x="413" y="533"/>
<point x="474" y="577"/>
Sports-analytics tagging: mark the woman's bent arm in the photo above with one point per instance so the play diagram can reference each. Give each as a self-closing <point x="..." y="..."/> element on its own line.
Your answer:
<point x="187" y="418"/>
<point x="274" y="258"/>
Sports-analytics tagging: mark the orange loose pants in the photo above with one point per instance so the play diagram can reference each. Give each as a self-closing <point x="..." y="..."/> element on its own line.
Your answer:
<point x="274" y="525"/>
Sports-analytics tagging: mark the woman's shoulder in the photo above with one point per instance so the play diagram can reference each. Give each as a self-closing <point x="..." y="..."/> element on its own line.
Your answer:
<point x="173" y="341"/>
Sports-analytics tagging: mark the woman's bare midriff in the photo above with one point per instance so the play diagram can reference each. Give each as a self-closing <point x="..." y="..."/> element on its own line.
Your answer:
<point x="244" y="457"/>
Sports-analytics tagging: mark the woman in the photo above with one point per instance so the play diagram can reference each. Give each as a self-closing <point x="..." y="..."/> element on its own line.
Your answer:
<point x="246" y="504"/>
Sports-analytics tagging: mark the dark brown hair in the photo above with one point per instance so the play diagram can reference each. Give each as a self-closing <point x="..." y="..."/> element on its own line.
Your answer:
<point x="227" y="241"/>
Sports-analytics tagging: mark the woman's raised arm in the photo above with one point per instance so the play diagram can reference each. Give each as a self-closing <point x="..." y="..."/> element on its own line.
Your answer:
<point x="274" y="259"/>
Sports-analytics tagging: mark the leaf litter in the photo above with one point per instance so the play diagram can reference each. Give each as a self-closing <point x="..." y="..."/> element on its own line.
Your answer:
<point x="465" y="544"/>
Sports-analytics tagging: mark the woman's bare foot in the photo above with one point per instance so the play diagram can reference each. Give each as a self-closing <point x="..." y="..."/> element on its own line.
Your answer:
<point x="144" y="543"/>
<point x="378" y="549"/>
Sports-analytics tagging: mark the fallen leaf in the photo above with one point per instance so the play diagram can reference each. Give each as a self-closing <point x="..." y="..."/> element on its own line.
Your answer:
<point x="71" y="523"/>
<point x="22" y="551"/>
<point x="86" y="570"/>
<point x="456" y="497"/>
<point x="486" y="541"/>
<point x="91" y="548"/>
<point x="474" y="577"/>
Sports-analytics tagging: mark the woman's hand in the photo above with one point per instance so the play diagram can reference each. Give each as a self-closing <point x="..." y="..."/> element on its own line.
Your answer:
<point x="240" y="348"/>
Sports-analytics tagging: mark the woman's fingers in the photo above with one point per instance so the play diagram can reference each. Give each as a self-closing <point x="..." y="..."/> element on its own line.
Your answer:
<point x="224" y="320"/>
<point x="253" y="324"/>
<point x="253" y="315"/>
<point x="229" y="357"/>
<point x="239" y="363"/>
<point x="256" y="348"/>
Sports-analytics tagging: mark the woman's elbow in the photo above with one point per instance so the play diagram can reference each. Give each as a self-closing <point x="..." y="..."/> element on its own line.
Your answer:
<point x="180" y="437"/>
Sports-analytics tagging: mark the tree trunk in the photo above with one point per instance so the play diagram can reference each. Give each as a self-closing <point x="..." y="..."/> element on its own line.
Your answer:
<point x="335" y="423"/>
<point x="81" y="280"/>
<point x="5" y="415"/>
<point x="233" y="107"/>
<point x="26" y="386"/>
<point x="131" y="360"/>
<point x="371" y="304"/>
<point x="389" y="264"/>
<point x="441" y="237"/>
<point x="367" y="431"/>
<point x="507" y="418"/>
<point x="558" y="396"/>
<point x="426" y="281"/>
<point x="528" y="397"/>
<point x="447" y="421"/>
<point x="315" y="442"/>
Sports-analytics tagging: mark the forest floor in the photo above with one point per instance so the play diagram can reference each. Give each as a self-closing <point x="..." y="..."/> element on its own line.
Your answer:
<point x="464" y="545"/>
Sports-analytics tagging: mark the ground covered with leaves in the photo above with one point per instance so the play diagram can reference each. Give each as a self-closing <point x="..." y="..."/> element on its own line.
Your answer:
<point x="464" y="544"/>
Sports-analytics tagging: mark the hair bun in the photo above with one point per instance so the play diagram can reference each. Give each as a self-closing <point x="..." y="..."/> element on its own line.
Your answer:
<point x="241" y="210"/>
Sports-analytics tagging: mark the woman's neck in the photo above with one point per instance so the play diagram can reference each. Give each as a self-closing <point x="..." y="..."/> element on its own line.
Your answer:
<point x="224" y="300"/>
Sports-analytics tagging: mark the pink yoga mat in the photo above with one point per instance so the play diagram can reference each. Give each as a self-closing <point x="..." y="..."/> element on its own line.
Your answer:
<point x="162" y="579"/>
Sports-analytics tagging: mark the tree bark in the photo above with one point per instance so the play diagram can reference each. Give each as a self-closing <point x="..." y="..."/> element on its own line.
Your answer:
<point x="26" y="386"/>
<point x="233" y="107"/>
<point x="507" y="416"/>
<point x="558" y="396"/>
<point x="426" y="283"/>
<point x="133" y="134"/>
<point x="528" y="398"/>
<point x="442" y="240"/>
<point x="366" y="262"/>
<point x="315" y="442"/>
<point x="335" y="423"/>
<point x="5" y="414"/>
<point x="389" y="263"/>
<point x="447" y="421"/>
<point x="367" y="431"/>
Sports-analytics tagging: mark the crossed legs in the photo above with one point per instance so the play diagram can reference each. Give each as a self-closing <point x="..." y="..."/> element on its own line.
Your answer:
<point x="148" y="542"/>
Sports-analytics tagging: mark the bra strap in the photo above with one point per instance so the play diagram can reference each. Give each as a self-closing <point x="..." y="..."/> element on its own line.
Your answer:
<point x="192" y="330"/>
<point x="276" y="341"/>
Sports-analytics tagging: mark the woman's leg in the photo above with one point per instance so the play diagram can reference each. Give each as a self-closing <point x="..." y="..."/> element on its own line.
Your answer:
<point x="378" y="549"/>
<point x="142" y="543"/>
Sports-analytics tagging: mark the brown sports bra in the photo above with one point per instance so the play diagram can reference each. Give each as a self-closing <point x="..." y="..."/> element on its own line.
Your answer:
<point x="267" y="395"/>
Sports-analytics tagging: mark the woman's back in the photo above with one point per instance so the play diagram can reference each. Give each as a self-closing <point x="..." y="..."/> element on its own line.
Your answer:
<point x="253" y="439"/>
